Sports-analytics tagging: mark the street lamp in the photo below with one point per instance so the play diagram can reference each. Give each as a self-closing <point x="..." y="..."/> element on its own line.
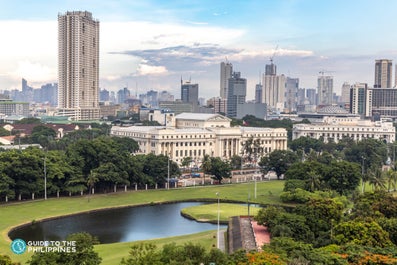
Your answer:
<point x="217" y="237"/>
<point x="168" y="172"/>
<point x="45" y="176"/>
<point x="362" y="174"/>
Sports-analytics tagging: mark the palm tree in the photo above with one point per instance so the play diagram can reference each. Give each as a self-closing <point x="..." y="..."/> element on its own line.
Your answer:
<point x="206" y="165"/>
<point x="377" y="179"/>
<point x="314" y="181"/>
<point x="391" y="176"/>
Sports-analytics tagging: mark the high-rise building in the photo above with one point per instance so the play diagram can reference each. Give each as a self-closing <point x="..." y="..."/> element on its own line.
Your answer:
<point x="383" y="73"/>
<point x="325" y="87"/>
<point x="359" y="101"/>
<point x="258" y="93"/>
<point x="271" y="69"/>
<point x="123" y="95"/>
<point x="189" y="94"/>
<point x="237" y="93"/>
<point x="291" y="93"/>
<point x="219" y="104"/>
<point x="78" y="65"/>
<point x="273" y="89"/>
<point x="226" y="73"/>
<point x="345" y="97"/>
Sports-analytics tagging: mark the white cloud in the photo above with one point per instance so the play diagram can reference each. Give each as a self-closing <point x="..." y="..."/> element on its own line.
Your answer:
<point x="145" y="69"/>
<point x="33" y="72"/>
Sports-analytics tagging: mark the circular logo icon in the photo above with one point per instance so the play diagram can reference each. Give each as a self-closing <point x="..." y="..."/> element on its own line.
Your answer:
<point x="18" y="246"/>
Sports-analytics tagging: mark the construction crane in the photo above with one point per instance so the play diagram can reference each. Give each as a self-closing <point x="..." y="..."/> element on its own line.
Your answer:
<point x="274" y="54"/>
<point x="322" y="72"/>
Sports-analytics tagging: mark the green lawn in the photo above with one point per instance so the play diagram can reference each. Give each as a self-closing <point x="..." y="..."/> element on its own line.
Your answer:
<point x="113" y="253"/>
<point x="15" y="214"/>
<point x="209" y="212"/>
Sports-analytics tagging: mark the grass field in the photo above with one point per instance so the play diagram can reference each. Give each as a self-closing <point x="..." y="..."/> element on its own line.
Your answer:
<point x="209" y="212"/>
<point x="15" y="214"/>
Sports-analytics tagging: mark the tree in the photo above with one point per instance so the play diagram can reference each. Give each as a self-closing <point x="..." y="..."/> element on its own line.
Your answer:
<point x="377" y="179"/>
<point x="365" y="233"/>
<point x="307" y="144"/>
<point x="6" y="187"/>
<point x="278" y="161"/>
<point x="186" y="161"/>
<point x="42" y="135"/>
<point x="342" y="176"/>
<point x="220" y="169"/>
<point x="236" y="162"/>
<point x="143" y="254"/>
<point x="251" y="148"/>
<point x="374" y="153"/>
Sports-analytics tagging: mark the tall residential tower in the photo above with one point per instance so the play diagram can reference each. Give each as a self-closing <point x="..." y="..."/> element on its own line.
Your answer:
<point x="78" y="65"/>
<point x="226" y="73"/>
<point x="383" y="73"/>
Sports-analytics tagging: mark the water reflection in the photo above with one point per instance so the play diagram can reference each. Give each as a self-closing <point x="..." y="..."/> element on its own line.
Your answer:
<point x="119" y="225"/>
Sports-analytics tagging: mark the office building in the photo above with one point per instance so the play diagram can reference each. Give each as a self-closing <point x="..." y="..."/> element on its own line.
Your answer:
<point x="123" y="95"/>
<point x="336" y="128"/>
<point x="236" y="95"/>
<point x="258" y="93"/>
<point x="189" y="94"/>
<point x="219" y="104"/>
<point x="345" y="95"/>
<point x="291" y="94"/>
<point x="226" y="73"/>
<point x="383" y="102"/>
<point x="359" y="100"/>
<point x="325" y="87"/>
<point x="383" y="73"/>
<point x="78" y="65"/>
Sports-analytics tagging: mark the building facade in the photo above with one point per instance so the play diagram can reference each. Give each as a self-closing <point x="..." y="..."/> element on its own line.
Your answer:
<point x="359" y="103"/>
<point x="226" y="73"/>
<point x="291" y="94"/>
<point x="195" y="135"/>
<point x="274" y="91"/>
<point x="236" y="95"/>
<point x="337" y="128"/>
<point x="78" y="65"/>
<point x="383" y="73"/>
<point x="189" y="94"/>
<point x="325" y="87"/>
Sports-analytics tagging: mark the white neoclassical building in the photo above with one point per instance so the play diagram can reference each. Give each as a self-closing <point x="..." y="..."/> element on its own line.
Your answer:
<point x="338" y="127"/>
<point x="195" y="135"/>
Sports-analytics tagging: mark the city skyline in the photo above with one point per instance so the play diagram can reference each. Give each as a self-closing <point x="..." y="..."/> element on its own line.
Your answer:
<point x="173" y="39"/>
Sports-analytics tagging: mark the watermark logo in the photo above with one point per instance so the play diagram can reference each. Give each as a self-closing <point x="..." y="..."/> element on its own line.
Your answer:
<point x="18" y="246"/>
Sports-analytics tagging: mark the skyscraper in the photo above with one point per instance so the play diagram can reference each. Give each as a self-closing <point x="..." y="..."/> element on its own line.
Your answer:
<point x="189" y="94"/>
<point x="273" y="88"/>
<point x="237" y="93"/>
<point x="325" y="87"/>
<point x="291" y="94"/>
<point x="345" y="97"/>
<point x="78" y="65"/>
<point x="383" y="73"/>
<point x="359" y="101"/>
<point x="226" y="73"/>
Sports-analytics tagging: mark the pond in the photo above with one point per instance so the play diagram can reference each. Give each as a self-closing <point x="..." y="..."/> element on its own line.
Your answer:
<point x="118" y="225"/>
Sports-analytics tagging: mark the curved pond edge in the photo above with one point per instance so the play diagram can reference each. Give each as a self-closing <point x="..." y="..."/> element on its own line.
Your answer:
<point x="18" y="226"/>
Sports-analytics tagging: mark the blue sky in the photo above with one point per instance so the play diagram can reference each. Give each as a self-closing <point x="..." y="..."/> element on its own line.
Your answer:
<point x="151" y="44"/>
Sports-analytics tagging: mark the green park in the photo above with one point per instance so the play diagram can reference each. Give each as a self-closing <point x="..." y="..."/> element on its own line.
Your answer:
<point x="26" y="212"/>
<point x="327" y="202"/>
